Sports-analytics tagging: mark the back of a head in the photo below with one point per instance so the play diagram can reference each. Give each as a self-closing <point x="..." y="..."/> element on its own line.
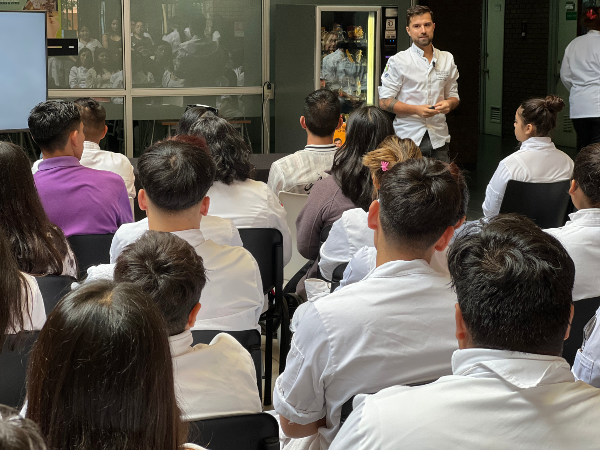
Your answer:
<point x="514" y="285"/>
<point x="390" y="152"/>
<point x="590" y="18"/>
<point x="93" y="117"/>
<point x="176" y="175"/>
<point x="542" y="113"/>
<point x="322" y="112"/>
<point x="13" y="292"/>
<point x="18" y="433"/>
<point x="168" y="270"/>
<point x="189" y="118"/>
<point x="51" y="122"/>
<point x="586" y="173"/>
<point x="419" y="200"/>
<point x="227" y="146"/>
<point x="100" y="374"/>
<point x="464" y="190"/>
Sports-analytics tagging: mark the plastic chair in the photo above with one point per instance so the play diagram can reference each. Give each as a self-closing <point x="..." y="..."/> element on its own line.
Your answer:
<point x="293" y="204"/>
<point x="547" y="204"/>
<point x="258" y="431"/>
<point x="90" y="250"/>
<point x="13" y="367"/>
<point x="266" y="245"/>
<point x="584" y="310"/>
<point x="337" y="276"/>
<point x="249" y="339"/>
<point x="53" y="288"/>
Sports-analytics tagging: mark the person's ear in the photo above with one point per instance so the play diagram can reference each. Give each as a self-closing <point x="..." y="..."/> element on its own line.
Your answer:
<point x="461" y="329"/>
<point x="104" y="133"/>
<point x="373" y="215"/>
<point x="460" y="223"/>
<point x="340" y="122"/>
<point x="570" y="321"/>
<point x="529" y="129"/>
<point x="573" y="187"/>
<point x="444" y="240"/>
<point x="142" y="200"/>
<point x="73" y="138"/>
<point x="204" y="205"/>
<point x="408" y="30"/>
<point x="193" y="314"/>
<point x="303" y="122"/>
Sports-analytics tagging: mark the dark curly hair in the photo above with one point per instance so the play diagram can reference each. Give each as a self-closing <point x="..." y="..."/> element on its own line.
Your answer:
<point x="227" y="146"/>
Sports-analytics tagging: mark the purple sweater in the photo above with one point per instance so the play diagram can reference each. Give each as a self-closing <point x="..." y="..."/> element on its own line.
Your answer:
<point x="81" y="200"/>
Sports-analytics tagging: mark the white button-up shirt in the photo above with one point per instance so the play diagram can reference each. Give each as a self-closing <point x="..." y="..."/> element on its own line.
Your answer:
<point x="580" y="73"/>
<point x="537" y="161"/>
<point x="394" y="327"/>
<point x="495" y="399"/>
<point x="251" y="204"/>
<point x="410" y="78"/>
<point x="581" y="237"/>
<point x="218" y="379"/>
<point x="296" y="173"/>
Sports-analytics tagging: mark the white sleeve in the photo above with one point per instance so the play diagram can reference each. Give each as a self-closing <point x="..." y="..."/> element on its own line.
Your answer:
<point x="260" y="297"/>
<point x="494" y="194"/>
<point x="73" y="77"/>
<point x="391" y="81"/>
<point x="359" y="266"/>
<point x="335" y="250"/>
<point x="275" y="181"/>
<point x="35" y="303"/>
<point x="353" y="434"/>
<point x="277" y="218"/>
<point x="130" y="178"/>
<point x="566" y="75"/>
<point x="115" y="246"/>
<point x="451" y="87"/>
<point x="236" y="240"/>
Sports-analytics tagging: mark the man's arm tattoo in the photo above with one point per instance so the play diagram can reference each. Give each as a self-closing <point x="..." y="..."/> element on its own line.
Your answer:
<point x="389" y="103"/>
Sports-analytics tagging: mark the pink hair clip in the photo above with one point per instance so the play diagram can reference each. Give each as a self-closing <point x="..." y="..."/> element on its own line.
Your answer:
<point x="591" y="14"/>
<point x="384" y="165"/>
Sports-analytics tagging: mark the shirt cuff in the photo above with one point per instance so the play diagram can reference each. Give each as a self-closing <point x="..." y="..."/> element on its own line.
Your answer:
<point x="289" y="412"/>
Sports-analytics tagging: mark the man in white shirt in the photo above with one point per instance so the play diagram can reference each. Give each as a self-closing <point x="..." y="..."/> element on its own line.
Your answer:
<point x="510" y="388"/>
<point x="420" y="86"/>
<point x="395" y="326"/>
<point x="298" y="172"/>
<point x="218" y="379"/>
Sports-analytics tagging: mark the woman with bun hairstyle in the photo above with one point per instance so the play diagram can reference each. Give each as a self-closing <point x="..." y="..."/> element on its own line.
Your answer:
<point x="537" y="160"/>
<point x="580" y="73"/>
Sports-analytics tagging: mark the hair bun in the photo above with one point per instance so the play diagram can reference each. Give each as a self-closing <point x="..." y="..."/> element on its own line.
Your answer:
<point x="554" y="103"/>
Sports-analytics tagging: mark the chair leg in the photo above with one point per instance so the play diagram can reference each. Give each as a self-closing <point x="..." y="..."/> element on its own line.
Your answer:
<point x="268" y="361"/>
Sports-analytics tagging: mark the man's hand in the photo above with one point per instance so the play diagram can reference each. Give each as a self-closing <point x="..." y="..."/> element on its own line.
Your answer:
<point x="445" y="106"/>
<point x="425" y="111"/>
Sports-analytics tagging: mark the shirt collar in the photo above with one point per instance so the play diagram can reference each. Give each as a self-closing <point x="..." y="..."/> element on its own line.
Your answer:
<point x="400" y="268"/>
<point x="522" y="370"/>
<point x="537" y="143"/>
<point x="88" y="145"/>
<point x="421" y="53"/>
<point x="59" y="161"/>
<point x="192" y="237"/>
<point x="588" y="216"/>
<point x="181" y="343"/>
<point x="320" y="148"/>
<point x="593" y="31"/>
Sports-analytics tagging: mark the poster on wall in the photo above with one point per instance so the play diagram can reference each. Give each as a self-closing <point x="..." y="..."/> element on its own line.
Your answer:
<point x="52" y="8"/>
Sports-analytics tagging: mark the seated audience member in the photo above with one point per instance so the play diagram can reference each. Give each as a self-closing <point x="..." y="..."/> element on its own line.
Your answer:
<point x="120" y="394"/>
<point x="234" y="195"/>
<point x="210" y="380"/>
<point x="297" y="173"/>
<point x="581" y="234"/>
<point x="510" y="388"/>
<point x="537" y="160"/>
<point x="337" y="142"/>
<point x="86" y="40"/>
<point x="175" y="178"/>
<point x="79" y="72"/>
<point x="39" y="246"/>
<point x="98" y="77"/>
<point x="394" y="327"/>
<point x="351" y="232"/>
<point x="19" y="433"/>
<point x="349" y="186"/>
<point x="78" y="199"/>
<point x="190" y="117"/>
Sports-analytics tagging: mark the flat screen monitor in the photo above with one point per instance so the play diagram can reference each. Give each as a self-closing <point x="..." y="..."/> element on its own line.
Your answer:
<point x="23" y="75"/>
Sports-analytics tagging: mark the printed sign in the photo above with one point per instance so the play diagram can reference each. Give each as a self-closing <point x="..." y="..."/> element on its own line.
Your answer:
<point x="390" y="24"/>
<point x="390" y="34"/>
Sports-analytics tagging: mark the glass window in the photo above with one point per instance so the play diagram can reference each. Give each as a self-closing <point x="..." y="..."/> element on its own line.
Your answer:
<point x="196" y="43"/>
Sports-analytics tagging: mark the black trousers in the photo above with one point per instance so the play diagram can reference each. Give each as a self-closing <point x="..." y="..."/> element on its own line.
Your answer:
<point x="588" y="131"/>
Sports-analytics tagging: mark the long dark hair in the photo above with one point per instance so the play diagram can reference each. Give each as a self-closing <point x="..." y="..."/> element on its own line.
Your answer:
<point x="367" y="127"/>
<point x="38" y="246"/>
<point x="227" y="146"/>
<point x="100" y="374"/>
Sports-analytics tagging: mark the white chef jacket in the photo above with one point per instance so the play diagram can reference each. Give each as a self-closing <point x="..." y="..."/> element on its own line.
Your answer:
<point x="78" y="77"/>
<point x="537" y="161"/>
<point x="35" y="317"/>
<point x="495" y="399"/>
<point x="218" y="379"/>
<point x="581" y="237"/>
<point x="410" y="78"/>
<point x="580" y="73"/>
<point x="297" y="172"/>
<point x="232" y="299"/>
<point x="221" y="231"/>
<point x="587" y="360"/>
<point x="251" y="204"/>
<point x="394" y="327"/>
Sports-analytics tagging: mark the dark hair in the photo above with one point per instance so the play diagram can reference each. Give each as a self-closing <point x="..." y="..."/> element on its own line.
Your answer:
<point x="586" y="173"/>
<point x="98" y="66"/>
<point x="189" y="118"/>
<point x="322" y="112"/>
<point x="514" y="285"/>
<point x="464" y="190"/>
<point x="418" y="10"/>
<point x="419" y="199"/>
<point x="168" y="270"/>
<point x="590" y="18"/>
<point x="93" y="116"/>
<point x="51" y="122"/>
<point x="541" y="113"/>
<point x="176" y="175"/>
<point x="19" y="433"/>
<point x="337" y="139"/>
<point x="367" y="127"/>
<point x="197" y="25"/>
<point x="100" y="374"/>
<point x="227" y="146"/>
<point x="38" y="246"/>
<point x="84" y="50"/>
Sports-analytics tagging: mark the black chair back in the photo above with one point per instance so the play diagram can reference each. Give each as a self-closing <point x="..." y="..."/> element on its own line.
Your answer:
<point x="325" y="234"/>
<point x="547" y="204"/>
<point x="337" y="276"/>
<point x="249" y="339"/>
<point x="13" y="367"/>
<point x="258" y="431"/>
<point x="53" y="288"/>
<point x="584" y="310"/>
<point x="90" y="250"/>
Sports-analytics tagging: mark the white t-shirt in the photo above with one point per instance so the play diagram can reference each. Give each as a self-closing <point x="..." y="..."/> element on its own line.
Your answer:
<point x="495" y="400"/>
<point x="537" y="161"/>
<point x="35" y="317"/>
<point x="218" y="379"/>
<point x="251" y="204"/>
<point x="394" y="327"/>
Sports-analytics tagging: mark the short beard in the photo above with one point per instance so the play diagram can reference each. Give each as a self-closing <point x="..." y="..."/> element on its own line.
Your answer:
<point x="424" y="45"/>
